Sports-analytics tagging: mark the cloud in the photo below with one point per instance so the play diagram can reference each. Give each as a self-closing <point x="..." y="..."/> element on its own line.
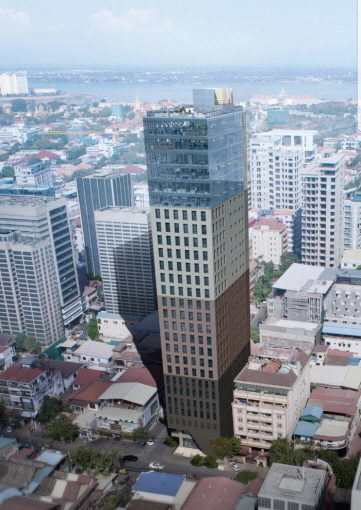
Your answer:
<point x="10" y="17"/>
<point x="131" y="19"/>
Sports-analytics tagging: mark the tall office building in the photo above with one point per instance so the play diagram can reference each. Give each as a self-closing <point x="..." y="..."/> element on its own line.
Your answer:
<point x="14" y="83"/>
<point x="29" y="297"/>
<point x="102" y="189"/>
<point x="276" y="160"/>
<point x="322" y="212"/>
<point x="196" y="159"/>
<point x="352" y="223"/>
<point x="126" y="260"/>
<point x="42" y="218"/>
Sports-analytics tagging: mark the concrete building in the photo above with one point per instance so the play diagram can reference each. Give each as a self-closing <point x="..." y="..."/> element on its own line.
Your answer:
<point x="196" y="162"/>
<point x="15" y="83"/>
<point x="112" y="326"/>
<point x="125" y="251"/>
<point x="46" y="219"/>
<point x="24" y="389"/>
<point x="269" y="240"/>
<point x="33" y="173"/>
<point x="322" y="212"/>
<point x="356" y="487"/>
<point x="102" y="189"/>
<point x="352" y="223"/>
<point x="351" y="259"/>
<point x="156" y="490"/>
<point x="292" y="487"/>
<point x="29" y="294"/>
<point x="90" y="354"/>
<point x="7" y="355"/>
<point x="268" y="398"/>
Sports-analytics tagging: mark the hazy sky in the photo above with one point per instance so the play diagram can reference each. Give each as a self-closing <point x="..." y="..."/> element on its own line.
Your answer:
<point x="178" y="33"/>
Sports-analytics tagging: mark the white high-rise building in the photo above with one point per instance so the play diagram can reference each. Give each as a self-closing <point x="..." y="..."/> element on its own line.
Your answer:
<point x="352" y="223"/>
<point x="126" y="260"/>
<point x="14" y="83"/>
<point x="322" y="212"/>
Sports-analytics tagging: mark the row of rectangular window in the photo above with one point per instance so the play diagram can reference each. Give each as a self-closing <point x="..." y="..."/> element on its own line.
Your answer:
<point x="190" y="303"/>
<point x="177" y="241"/>
<point x="185" y="338"/>
<point x="180" y="291"/>
<point x="185" y="228"/>
<point x="191" y="315"/>
<point x="188" y="279"/>
<point x="176" y="214"/>
<point x="191" y="349"/>
<point x="178" y="254"/>
<point x="191" y="327"/>
<point x="193" y="361"/>
<point x="194" y="372"/>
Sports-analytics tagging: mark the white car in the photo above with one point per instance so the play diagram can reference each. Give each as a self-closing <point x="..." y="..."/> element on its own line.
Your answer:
<point x="235" y="466"/>
<point x="150" y="442"/>
<point x="156" y="465"/>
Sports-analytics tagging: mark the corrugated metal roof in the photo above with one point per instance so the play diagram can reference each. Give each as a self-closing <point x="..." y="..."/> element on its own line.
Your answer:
<point x="159" y="483"/>
<point x="131" y="392"/>
<point x="332" y="328"/>
<point x="312" y="411"/>
<point x="119" y="414"/>
<point x="306" y="429"/>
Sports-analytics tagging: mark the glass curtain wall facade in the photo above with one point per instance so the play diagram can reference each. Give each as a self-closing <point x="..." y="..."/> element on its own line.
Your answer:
<point x="197" y="171"/>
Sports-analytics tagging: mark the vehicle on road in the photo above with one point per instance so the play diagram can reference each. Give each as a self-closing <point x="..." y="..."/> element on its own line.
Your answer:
<point x="235" y="466"/>
<point x="150" y="442"/>
<point x="141" y="443"/>
<point x="10" y="428"/>
<point x="129" y="458"/>
<point x="156" y="465"/>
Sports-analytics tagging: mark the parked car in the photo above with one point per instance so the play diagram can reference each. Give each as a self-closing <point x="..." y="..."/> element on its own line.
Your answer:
<point x="156" y="465"/>
<point x="235" y="466"/>
<point x="150" y="442"/>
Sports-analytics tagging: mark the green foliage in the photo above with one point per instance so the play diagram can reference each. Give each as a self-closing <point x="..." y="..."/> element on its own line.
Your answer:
<point x="50" y="408"/>
<point x="62" y="429"/>
<point x="92" y="329"/>
<point x="18" y="106"/>
<point x="255" y="335"/>
<point x="7" y="171"/>
<point x="287" y="259"/>
<point x="50" y="142"/>
<point x="140" y="434"/>
<point x="262" y="289"/>
<point x="118" y="500"/>
<point x="25" y="343"/>
<point x="210" y="461"/>
<point x="94" y="461"/>
<point x="344" y="469"/>
<point x="225" y="447"/>
<point x="172" y="442"/>
<point x="246" y="476"/>
<point x="75" y="153"/>
<point x="197" y="460"/>
<point x="131" y="157"/>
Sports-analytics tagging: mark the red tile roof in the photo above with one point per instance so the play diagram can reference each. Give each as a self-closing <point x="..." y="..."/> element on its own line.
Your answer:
<point x="91" y="393"/>
<point x="4" y="348"/>
<point x="85" y="376"/>
<point x="20" y="374"/>
<point x="273" y="224"/>
<point x="335" y="400"/>
<point x="46" y="155"/>
<point x="214" y="493"/>
<point x="138" y="374"/>
<point x="133" y="169"/>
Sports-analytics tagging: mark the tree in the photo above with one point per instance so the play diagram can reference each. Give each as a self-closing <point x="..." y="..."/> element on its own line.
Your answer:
<point x="92" y="329"/>
<point x="18" y="106"/>
<point x="255" y="335"/>
<point x="50" y="408"/>
<point x="7" y="171"/>
<point x="89" y="459"/>
<point x="287" y="259"/>
<point x="75" y="153"/>
<point x="246" y="476"/>
<point x="62" y="429"/>
<point x="210" y="461"/>
<point x="25" y="343"/>
<point x="172" y="442"/>
<point x="140" y="435"/>
<point x="225" y="447"/>
<point x="197" y="460"/>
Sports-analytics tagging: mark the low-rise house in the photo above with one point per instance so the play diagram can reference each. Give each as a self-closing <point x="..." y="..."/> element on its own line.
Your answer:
<point x="91" y="354"/>
<point x="7" y="355"/>
<point x="88" y="399"/>
<point x="112" y="326"/>
<point x="126" y="406"/>
<point x="24" y="388"/>
<point x="268" y="397"/>
<point x="126" y="355"/>
<point x="67" y="369"/>
<point x="330" y="419"/>
<point x="85" y="376"/>
<point x="213" y="493"/>
<point x="292" y="487"/>
<point x="329" y="376"/>
<point x="163" y="490"/>
<point x="8" y="446"/>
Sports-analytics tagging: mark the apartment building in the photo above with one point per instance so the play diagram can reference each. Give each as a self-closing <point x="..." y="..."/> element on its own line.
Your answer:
<point x="268" y="398"/>
<point x="125" y="251"/>
<point x="268" y="239"/>
<point x="352" y="223"/>
<point x="24" y="389"/>
<point x="322" y="212"/>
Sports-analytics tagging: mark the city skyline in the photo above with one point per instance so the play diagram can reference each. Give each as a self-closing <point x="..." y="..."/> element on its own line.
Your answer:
<point x="166" y="34"/>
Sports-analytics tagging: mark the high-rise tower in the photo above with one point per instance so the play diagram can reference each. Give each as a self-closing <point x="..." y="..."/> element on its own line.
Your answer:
<point x="196" y="159"/>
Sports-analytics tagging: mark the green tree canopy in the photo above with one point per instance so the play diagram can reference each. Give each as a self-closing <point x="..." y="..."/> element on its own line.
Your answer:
<point x="225" y="447"/>
<point x="50" y="408"/>
<point x="287" y="259"/>
<point x="25" y="343"/>
<point x="140" y="434"/>
<point x="7" y="171"/>
<point x="94" y="461"/>
<point x="92" y="329"/>
<point x="62" y="429"/>
<point x="18" y="106"/>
